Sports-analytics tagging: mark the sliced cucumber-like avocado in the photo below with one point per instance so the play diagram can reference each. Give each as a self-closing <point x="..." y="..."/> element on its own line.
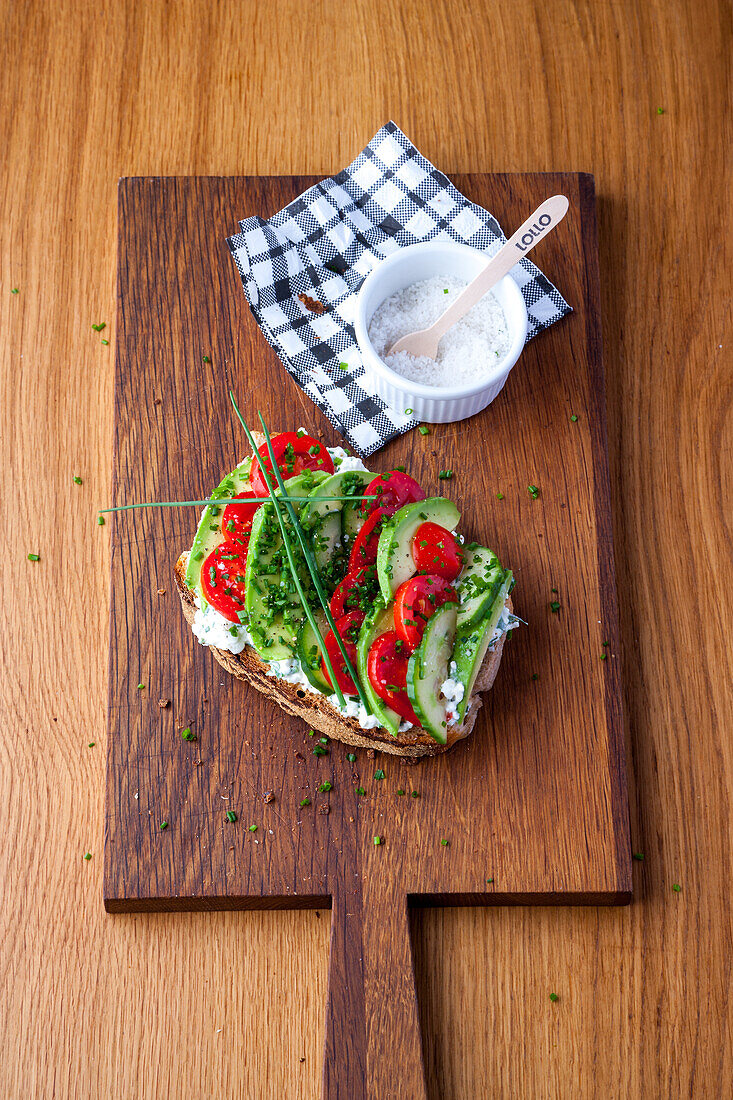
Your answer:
<point x="395" y="563"/>
<point x="348" y="483"/>
<point x="471" y="646"/>
<point x="477" y="585"/>
<point x="309" y="653"/>
<point x="326" y="539"/>
<point x="274" y="611"/>
<point x="208" y="533"/>
<point x="428" y="668"/>
<point x="379" y="620"/>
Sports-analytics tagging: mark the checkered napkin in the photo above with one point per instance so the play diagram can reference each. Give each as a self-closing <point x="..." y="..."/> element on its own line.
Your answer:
<point x="325" y="242"/>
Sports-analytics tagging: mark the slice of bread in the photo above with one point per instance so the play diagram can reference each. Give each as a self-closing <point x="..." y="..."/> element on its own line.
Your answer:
<point x="316" y="710"/>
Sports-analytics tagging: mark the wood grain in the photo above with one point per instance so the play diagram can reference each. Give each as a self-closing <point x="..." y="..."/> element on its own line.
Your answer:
<point x="131" y="1006"/>
<point x="537" y="795"/>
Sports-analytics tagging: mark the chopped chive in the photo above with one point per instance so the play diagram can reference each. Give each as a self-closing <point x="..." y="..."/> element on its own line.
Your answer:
<point x="660" y="110"/>
<point x="408" y="412"/>
<point x="554" y="997"/>
<point x="351" y="757"/>
<point x="555" y="606"/>
<point x="77" y="480"/>
<point x="379" y="774"/>
<point x="231" y="816"/>
<point x="533" y="491"/>
<point x="499" y="496"/>
<point x="676" y="887"/>
<point x="140" y="687"/>
<point x="603" y="656"/>
<point x="639" y="856"/>
<point x="400" y="792"/>
<point x="87" y="855"/>
<point x="311" y="733"/>
<point x="424" y="429"/>
<point x="106" y="342"/>
<point x="100" y="521"/>
<point x="253" y="828"/>
<point x="207" y="359"/>
<point x="573" y="418"/>
<point x="323" y="740"/>
<point x="343" y="366"/>
<point x="535" y="675"/>
<point x="98" y="328"/>
<point x="91" y="744"/>
<point x="34" y="557"/>
<point x="187" y="735"/>
<point x="360" y="790"/>
<point x="415" y="794"/>
<point x="445" y="475"/>
<point x="326" y="786"/>
<point x="489" y="880"/>
<point x="15" y="290"/>
<point x="164" y="825"/>
<point x="444" y="842"/>
<point x="377" y="841"/>
<point x="305" y="802"/>
<point x="553" y="590"/>
<point x="319" y="751"/>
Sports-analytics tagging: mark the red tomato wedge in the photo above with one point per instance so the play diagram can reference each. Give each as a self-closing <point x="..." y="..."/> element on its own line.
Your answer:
<point x="222" y="578"/>
<point x="237" y="518"/>
<point x="387" y="672"/>
<point x="348" y="628"/>
<point x="364" y="549"/>
<point x="293" y="454"/>
<point x="414" y="603"/>
<point x="355" y="592"/>
<point x="435" y="550"/>
<point x="393" y="491"/>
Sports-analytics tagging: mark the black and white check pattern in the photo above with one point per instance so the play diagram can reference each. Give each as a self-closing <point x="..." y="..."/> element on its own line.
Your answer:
<point x="326" y="241"/>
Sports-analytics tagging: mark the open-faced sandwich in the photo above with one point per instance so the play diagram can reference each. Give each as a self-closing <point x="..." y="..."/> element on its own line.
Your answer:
<point x="420" y="616"/>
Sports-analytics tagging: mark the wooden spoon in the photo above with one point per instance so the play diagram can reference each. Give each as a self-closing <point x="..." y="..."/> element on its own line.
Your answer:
<point x="547" y="215"/>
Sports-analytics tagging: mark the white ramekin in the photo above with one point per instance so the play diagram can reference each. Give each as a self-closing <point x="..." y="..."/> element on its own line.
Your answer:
<point x="413" y="264"/>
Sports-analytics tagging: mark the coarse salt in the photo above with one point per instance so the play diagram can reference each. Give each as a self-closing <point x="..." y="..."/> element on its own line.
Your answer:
<point x="480" y="339"/>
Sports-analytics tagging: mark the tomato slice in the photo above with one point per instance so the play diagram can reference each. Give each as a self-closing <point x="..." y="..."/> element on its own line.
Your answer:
<point x="293" y="454"/>
<point x="348" y="628"/>
<point x="364" y="549"/>
<point x="393" y="491"/>
<point x="387" y="672"/>
<point x="436" y="551"/>
<point x="222" y="578"/>
<point x="237" y="518"/>
<point x="414" y="603"/>
<point x="356" y="591"/>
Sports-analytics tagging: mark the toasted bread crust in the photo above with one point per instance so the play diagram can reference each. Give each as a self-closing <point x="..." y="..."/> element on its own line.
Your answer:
<point x="318" y="713"/>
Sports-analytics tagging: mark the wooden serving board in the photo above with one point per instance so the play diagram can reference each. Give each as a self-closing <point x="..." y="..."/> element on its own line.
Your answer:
<point x="533" y="806"/>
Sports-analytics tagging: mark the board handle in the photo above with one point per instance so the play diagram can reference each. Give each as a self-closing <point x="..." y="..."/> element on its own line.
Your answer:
<point x="373" y="1046"/>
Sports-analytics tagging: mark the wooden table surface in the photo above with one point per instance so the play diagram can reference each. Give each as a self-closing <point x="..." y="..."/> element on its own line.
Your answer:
<point x="231" y="1004"/>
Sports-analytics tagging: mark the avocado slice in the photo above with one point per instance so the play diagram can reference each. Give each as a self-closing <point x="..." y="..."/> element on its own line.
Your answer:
<point x="309" y="653"/>
<point x="395" y="563"/>
<point x="428" y="668"/>
<point x="471" y="646"/>
<point x="477" y="585"/>
<point x="273" y="609"/>
<point x="379" y="620"/>
<point x="208" y="533"/>
<point x="347" y="483"/>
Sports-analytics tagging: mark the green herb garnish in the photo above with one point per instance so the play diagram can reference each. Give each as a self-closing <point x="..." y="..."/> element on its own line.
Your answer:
<point x="379" y="774"/>
<point x="351" y="757"/>
<point x="34" y="557"/>
<point x="639" y="856"/>
<point x="187" y="735"/>
<point x="676" y="887"/>
<point x="98" y="328"/>
<point x="377" y="841"/>
<point x="424" y="429"/>
<point x="554" y="997"/>
<point x="77" y="480"/>
<point x="231" y="816"/>
<point x="574" y="418"/>
<point x="533" y="491"/>
<point x="445" y="475"/>
<point x="164" y="825"/>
